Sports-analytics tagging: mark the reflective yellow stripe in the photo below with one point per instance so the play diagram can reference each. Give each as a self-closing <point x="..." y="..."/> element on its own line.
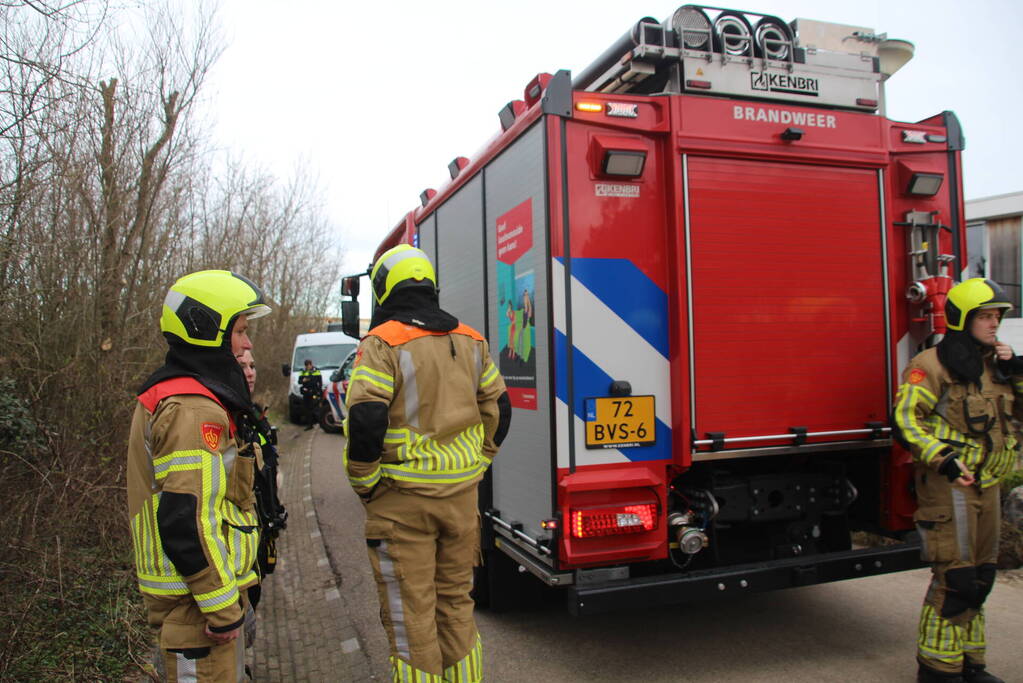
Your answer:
<point x="214" y="486"/>
<point x="469" y="669"/>
<point x="423" y="459"/>
<point x="180" y="461"/>
<point x="407" y="473"/>
<point x="930" y="434"/>
<point x="374" y="377"/>
<point x="908" y="398"/>
<point x="216" y="600"/>
<point x="368" y="480"/>
<point x="156" y="573"/>
<point x="973" y="634"/>
<point x="403" y="672"/>
<point x="489" y="375"/>
<point x="939" y="639"/>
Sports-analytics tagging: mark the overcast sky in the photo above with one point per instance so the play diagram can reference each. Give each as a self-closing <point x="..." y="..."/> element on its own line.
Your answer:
<point x="377" y="98"/>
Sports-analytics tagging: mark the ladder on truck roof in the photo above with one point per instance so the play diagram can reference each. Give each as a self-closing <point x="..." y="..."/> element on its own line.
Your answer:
<point x="716" y="51"/>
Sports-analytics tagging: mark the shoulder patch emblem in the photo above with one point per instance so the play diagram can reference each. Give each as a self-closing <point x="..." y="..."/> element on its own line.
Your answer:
<point x="358" y="357"/>
<point x="211" y="432"/>
<point x="916" y="375"/>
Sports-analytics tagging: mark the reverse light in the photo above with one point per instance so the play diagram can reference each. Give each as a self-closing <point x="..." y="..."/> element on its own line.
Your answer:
<point x="614" y="520"/>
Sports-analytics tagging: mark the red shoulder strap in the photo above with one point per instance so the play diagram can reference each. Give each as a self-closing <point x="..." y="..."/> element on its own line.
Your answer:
<point x="178" y="386"/>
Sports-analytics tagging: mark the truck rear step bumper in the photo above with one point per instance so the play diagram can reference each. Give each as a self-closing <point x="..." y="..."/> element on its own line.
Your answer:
<point x="668" y="589"/>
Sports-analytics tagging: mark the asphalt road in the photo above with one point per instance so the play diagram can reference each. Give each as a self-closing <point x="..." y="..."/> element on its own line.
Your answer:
<point x="858" y="630"/>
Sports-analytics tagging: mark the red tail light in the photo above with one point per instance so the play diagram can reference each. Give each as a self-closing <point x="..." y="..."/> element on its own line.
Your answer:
<point x="614" y="519"/>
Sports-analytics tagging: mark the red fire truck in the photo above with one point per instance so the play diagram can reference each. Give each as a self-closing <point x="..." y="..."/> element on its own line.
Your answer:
<point x="701" y="266"/>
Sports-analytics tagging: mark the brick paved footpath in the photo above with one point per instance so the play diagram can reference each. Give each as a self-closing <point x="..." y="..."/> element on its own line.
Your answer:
<point x="303" y="631"/>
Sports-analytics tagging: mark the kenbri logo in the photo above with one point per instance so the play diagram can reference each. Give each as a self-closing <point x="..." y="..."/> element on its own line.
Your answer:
<point x="796" y="85"/>
<point x="798" y="118"/>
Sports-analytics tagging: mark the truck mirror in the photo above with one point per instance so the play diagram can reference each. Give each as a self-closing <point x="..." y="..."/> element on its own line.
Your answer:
<point x="350" y="286"/>
<point x="286" y="370"/>
<point x="350" y="317"/>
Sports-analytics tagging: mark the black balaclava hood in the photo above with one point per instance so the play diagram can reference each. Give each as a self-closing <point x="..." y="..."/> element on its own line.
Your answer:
<point x="963" y="355"/>
<point x="414" y="305"/>
<point x="215" y="368"/>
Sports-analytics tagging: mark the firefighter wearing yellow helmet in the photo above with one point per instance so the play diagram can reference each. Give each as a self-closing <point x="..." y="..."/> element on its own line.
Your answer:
<point x="954" y="409"/>
<point x="191" y="463"/>
<point x="427" y="411"/>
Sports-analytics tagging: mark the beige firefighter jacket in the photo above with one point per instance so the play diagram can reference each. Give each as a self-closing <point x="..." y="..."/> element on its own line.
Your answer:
<point x="440" y="392"/>
<point x="192" y="509"/>
<point x="932" y="409"/>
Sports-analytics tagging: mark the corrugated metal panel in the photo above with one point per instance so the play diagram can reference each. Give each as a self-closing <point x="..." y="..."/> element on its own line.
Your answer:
<point x="460" y="255"/>
<point x="428" y="237"/>
<point x="788" y="305"/>
<point x="523" y="469"/>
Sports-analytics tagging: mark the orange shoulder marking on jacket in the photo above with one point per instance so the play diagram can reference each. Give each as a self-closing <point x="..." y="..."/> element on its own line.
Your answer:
<point x="467" y="331"/>
<point x="396" y="333"/>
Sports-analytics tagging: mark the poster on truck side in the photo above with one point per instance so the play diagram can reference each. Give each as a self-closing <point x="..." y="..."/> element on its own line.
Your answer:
<point x="516" y="292"/>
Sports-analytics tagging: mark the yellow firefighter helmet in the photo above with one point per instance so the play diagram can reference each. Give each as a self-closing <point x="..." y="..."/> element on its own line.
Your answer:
<point x="200" y="306"/>
<point x="971" y="295"/>
<point x="402" y="266"/>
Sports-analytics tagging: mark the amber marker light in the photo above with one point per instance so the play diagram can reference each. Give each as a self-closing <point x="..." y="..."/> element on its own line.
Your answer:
<point x="589" y="106"/>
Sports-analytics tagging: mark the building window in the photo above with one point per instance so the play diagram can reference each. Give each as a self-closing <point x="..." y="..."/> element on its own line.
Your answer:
<point x="976" y="248"/>
<point x="1004" y="258"/>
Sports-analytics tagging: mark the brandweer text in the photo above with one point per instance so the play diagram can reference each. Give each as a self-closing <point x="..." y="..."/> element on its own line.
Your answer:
<point x="798" y="118"/>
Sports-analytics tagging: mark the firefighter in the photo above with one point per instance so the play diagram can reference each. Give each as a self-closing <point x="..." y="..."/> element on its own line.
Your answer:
<point x="310" y="384"/>
<point x="427" y="411"/>
<point x="192" y="457"/>
<point x="955" y="409"/>
<point x="273" y="515"/>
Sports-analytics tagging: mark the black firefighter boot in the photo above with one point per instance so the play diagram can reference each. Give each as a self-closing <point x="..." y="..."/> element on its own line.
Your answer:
<point x="926" y="674"/>
<point x="975" y="673"/>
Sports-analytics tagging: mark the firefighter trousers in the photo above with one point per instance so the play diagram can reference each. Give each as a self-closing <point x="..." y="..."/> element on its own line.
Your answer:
<point x="959" y="529"/>
<point x="423" y="551"/>
<point x="188" y="655"/>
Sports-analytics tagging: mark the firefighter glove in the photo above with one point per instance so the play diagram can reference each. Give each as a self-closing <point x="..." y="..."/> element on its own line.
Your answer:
<point x="369" y="494"/>
<point x="950" y="467"/>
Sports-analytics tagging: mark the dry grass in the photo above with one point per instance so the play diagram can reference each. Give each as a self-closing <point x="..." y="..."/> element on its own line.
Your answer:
<point x="69" y="606"/>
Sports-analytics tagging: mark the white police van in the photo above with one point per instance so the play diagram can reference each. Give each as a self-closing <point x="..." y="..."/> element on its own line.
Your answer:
<point x="326" y="350"/>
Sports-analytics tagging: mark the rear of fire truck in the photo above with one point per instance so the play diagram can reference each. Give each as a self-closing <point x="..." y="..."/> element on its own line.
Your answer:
<point x="701" y="265"/>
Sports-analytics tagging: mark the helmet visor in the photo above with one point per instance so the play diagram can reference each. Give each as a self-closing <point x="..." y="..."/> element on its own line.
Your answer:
<point x="257" y="311"/>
